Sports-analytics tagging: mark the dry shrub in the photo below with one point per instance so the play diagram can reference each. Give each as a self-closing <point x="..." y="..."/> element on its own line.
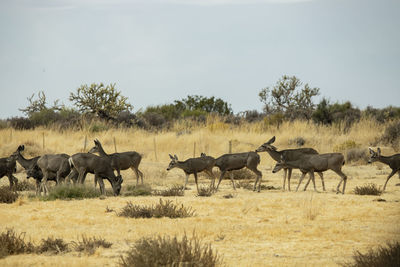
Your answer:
<point x="7" y="195"/>
<point x="241" y="174"/>
<point x="174" y="190"/>
<point x="250" y="186"/>
<point x="392" y="135"/>
<point x="349" y="144"/>
<point x="162" y="209"/>
<point x="368" y="189"/>
<point x="383" y="256"/>
<point x="12" y="243"/>
<point x="52" y="245"/>
<point x="169" y="251"/>
<point x="89" y="245"/>
<point x="68" y="192"/>
<point x="205" y="191"/>
<point x="357" y="155"/>
<point x="138" y="190"/>
<point x="298" y="141"/>
<point x="25" y="186"/>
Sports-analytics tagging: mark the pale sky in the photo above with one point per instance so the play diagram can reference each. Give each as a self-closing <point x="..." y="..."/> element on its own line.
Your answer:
<point x="157" y="51"/>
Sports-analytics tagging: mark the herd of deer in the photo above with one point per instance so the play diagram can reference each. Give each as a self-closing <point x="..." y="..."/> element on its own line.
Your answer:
<point x="60" y="167"/>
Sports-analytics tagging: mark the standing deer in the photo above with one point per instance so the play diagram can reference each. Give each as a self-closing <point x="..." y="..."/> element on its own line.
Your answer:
<point x="193" y="166"/>
<point x="7" y="168"/>
<point x="393" y="162"/>
<point x="121" y="161"/>
<point x="53" y="165"/>
<point x="291" y="154"/>
<point x="84" y="163"/>
<point x="237" y="161"/>
<point x="309" y="163"/>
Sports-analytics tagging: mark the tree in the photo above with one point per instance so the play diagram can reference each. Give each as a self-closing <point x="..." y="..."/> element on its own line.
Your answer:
<point x="105" y="101"/>
<point x="207" y="104"/>
<point x="287" y="97"/>
<point x="39" y="104"/>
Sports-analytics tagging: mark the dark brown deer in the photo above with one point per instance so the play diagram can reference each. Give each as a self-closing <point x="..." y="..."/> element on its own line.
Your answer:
<point x="120" y="161"/>
<point x="291" y="154"/>
<point x="393" y="162"/>
<point x="84" y="163"/>
<point x="309" y="163"/>
<point x="237" y="161"/>
<point x="193" y="166"/>
<point x="53" y="165"/>
<point x="7" y="168"/>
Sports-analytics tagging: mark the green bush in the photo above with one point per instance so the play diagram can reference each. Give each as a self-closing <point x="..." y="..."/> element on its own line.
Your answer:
<point x="167" y="251"/>
<point x="68" y="192"/>
<point x="383" y="256"/>
<point x="7" y="195"/>
<point x="162" y="209"/>
<point x="368" y="189"/>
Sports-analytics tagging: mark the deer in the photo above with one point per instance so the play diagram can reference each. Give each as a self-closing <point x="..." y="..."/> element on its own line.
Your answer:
<point x="393" y="161"/>
<point x="193" y="166"/>
<point x="237" y="161"/>
<point x="291" y="154"/>
<point x="83" y="163"/>
<point x="7" y="168"/>
<point x="310" y="163"/>
<point x="53" y="165"/>
<point x="121" y="161"/>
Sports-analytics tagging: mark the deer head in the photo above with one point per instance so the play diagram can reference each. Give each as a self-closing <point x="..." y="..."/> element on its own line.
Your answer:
<point x="374" y="155"/>
<point x="96" y="147"/>
<point x="267" y="146"/>
<point x="173" y="163"/>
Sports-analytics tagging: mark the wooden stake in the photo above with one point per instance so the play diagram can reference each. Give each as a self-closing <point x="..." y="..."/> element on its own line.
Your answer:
<point x="230" y="146"/>
<point x="155" y="148"/>
<point x="43" y="141"/>
<point x="84" y="144"/>
<point x="194" y="149"/>
<point x="115" y="145"/>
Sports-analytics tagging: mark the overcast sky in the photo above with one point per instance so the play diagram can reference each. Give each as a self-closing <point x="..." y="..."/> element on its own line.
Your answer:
<point x="157" y="51"/>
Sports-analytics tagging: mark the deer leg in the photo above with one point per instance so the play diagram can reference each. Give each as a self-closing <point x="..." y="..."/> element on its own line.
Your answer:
<point x="195" y="179"/>
<point x="232" y="180"/>
<point x="186" y="180"/>
<point x="101" y="184"/>
<point x="344" y="180"/>
<point x="141" y="175"/>
<point x="322" y="180"/>
<point x="37" y="187"/>
<point x="220" y="179"/>
<point x="211" y="174"/>
<point x="301" y="179"/>
<point x="312" y="178"/>
<point x="387" y="180"/>
<point x="288" y="179"/>
<point x="44" y="183"/>
<point x="284" y="178"/>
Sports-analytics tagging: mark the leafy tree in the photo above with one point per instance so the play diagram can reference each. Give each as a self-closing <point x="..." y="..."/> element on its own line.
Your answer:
<point x="287" y="97"/>
<point x="39" y="104"/>
<point x="105" y="101"/>
<point x="207" y="104"/>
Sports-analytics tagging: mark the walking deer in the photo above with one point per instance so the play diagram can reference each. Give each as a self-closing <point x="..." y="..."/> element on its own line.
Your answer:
<point x="53" y="165"/>
<point x="237" y="161"/>
<point x="393" y="162"/>
<point x="309" y="163"/>
<point x="193" y="166"/>
<point x="7" y="168"/>
<point x="291" y="154"/>
<point x="120" y="161"/>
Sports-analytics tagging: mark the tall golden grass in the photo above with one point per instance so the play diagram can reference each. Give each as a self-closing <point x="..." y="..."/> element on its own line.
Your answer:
<point x="271" y="228"/>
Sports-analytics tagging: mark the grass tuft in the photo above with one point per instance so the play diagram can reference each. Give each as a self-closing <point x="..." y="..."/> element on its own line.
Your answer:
<point x="89" y="245"/>
<point x="172" y="191"/>
<point x="52" y="245"/>
<point x="205" y="191"/>
<point x="12" y="243"/>
<point x="368" y="189"/>
<point x="7" y="195"/>
<point x="383" y="256"/>
<point x="138" y="190"/>
<point x="68" y="192"/>
<point x="170" y="251"/>
<point x="162" y="209"/>
<point x="24" y="186"/>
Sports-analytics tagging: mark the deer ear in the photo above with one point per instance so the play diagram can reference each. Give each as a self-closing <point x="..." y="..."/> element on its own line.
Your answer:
<point x="371" y="151"/>
<point x="171" y="156"/>
<point x="379" y="151"/>
<point x="203" y="154"/>
<point x="175" y="157"/>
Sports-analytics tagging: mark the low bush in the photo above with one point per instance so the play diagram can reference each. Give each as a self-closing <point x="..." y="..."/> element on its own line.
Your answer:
<point x="170" y="251"/>
<point x="137" y="190"/>
<point x="250" y="185"/>
<point x="68" y="192"/>
<point x="392" y="135"/>
<point x="298" y="141"/>
<point x="383" y="256"/>
<point x="89" y="245"/>
<point x="52" y="245"/>
<point x="349" y="144"/>
<point x="368" y="189"/>
<point x="162" y="209"/>
<point x="357" y="155"/>
<point x="24" y="186"/>
<point x="172" y="191"/>
<point x="205" y="191"/>
<point x="12" y="243"/>
<point x="7" y="195"/>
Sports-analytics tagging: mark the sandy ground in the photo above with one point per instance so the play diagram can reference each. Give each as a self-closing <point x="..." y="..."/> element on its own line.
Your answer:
<point x="271" y="228"/>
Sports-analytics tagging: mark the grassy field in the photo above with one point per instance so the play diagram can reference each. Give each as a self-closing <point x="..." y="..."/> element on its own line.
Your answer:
<point x="271" y="228"/>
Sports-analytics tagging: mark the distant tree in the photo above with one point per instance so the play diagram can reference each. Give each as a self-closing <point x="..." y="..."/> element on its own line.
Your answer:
<point x="207" y="104"/>
<point x="288" y="98"/>
<point x="39" y="104"/>
<point x="105" y="101"/>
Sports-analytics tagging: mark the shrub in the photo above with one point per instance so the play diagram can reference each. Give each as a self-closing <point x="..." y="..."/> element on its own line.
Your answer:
<point x="172" y="191"/>
<point x="71" y="192"/>
<point x="298" y="141"/>
<point x="162" y="209"/>
<point x="52" y="245"/>
<point x="167" y="251"/>
<point x="24" y="186"/>
<point x="250" y="185"/>
<point x="205" y="191"/>
<point x="357" y="154"/>
<point x="382" y="256"/>
<point x="89" y="245"/>
<point x="7" y="195"/>
<point x="369" y="189"/>
<point x="138" y="190"/>
<point x="392" y="135"/>
<point x="349" y="144"/>
<point x="12" y="243"/>
<point x="20" y="123"/>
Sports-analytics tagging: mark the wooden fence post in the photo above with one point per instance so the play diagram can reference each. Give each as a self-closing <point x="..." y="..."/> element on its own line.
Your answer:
<point x="43" y="140"/>
<point x="230" y="146"/>
<point x="155" y="148"/>
<point x="84" y="144"/>
<point x="115" y="145"/>
<point x="194" y="149"/>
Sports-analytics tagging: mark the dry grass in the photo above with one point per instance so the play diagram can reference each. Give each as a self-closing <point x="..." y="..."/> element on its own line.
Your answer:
<point x="272" y="228"/>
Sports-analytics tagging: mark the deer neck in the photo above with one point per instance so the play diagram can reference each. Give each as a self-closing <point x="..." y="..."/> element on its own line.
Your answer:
<point x="102" y="152"/>
<point x="385" y="160"/>
<point x="276" y="155"/>
<point x="183" y="165"/>
<point x="23" y="161"/>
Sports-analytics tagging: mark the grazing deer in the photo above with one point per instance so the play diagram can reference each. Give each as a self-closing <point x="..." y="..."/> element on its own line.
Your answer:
<point x="309" y="163"/>
<point x="237" y="161"/>
<point x="393" y="162"/>
<point x="84" y="163"/>
<point x="53" y="165"/>
<point x="7" y="168"/>
<point x="291" y="154"/>
<point x="121" y="161"/>
<point x="193" y="166"/>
